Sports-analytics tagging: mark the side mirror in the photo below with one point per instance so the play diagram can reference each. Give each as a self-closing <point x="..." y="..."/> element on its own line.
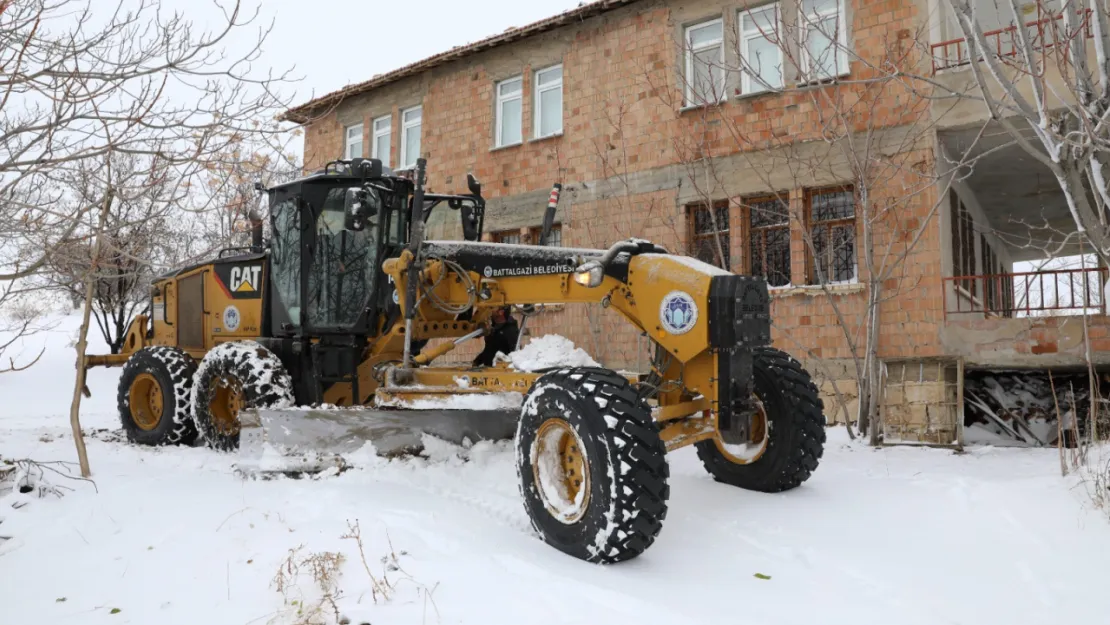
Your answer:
<point x="366" y="167"/>
<point x="359" y="205"/>
<point x="473" y="184"/>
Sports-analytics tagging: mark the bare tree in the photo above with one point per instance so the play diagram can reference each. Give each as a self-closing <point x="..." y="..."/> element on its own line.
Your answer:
<point x="1052" y="98"/>
<point x="84" y="91"/>
<point x="81" y="94"/>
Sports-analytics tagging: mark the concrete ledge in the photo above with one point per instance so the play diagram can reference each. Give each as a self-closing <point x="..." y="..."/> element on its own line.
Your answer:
<point x="814" y="290"/>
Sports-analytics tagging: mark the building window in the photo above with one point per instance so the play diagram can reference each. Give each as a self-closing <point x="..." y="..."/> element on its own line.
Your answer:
<point x="832" y="226"/>
<point x="411" y="120"/>
<point x="709" y="234"/>
<point x="507" y="236"/>
<point x="760" y="53"/>
<point x="510" y="96"/>
<point x="354" y="142"/>
<point x="824" y="42"/>
<point x="383" y="134"/>
<point x="999" y="285"/>
<point x="554" y="239"/>
<point x="769" y="239"/>
<point x="549" y="101"/>
<point x="705" y="57"/>
<point x="963" y="243"/>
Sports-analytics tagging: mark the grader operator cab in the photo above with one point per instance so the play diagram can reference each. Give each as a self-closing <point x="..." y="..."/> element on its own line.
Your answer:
<point x="326" y="336"/>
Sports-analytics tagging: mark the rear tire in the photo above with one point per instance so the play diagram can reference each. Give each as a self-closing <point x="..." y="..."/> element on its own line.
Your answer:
<point x="795" y="430"/>
<point x="592" y="468"/>
<point x="233" y="377"/>
<point x="154" y="397"/>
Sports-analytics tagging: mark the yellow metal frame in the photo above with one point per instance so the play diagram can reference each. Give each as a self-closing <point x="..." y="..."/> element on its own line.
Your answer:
<point x="691" y="373"/>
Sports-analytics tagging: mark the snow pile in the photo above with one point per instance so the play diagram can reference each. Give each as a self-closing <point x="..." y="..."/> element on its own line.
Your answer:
<point x="463" y="401"/>
<point x="940" y="524"/>
<point x="550" y="351"/>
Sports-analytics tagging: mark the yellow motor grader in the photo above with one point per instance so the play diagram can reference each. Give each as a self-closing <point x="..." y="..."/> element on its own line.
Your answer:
<point x="326" y="336"/>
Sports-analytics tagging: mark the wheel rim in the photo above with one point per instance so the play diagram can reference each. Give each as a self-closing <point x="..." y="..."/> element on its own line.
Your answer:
<point x="226" y="400"/>
<point x="560" y="471"/>
<point x="145" y="402"/>
<point x="759" y="437"/>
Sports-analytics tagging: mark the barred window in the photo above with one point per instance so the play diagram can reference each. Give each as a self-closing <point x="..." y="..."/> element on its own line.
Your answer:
<point x="507" y="236"/>
<point x="709" y="233"/>
<point x="554" y="240"/>
<point x="832" y="224"/>
<point x="769" y="243"/>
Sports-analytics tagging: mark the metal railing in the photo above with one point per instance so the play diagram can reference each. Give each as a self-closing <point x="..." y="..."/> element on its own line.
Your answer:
<point x="1049" y="293"/>
<point x="1004" y="41"/>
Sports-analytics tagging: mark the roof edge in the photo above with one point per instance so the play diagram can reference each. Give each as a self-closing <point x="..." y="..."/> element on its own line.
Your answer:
<point x="305" y="112"/>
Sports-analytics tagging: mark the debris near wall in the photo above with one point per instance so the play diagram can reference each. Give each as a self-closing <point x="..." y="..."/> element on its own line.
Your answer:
<point x="1031" y="407"/>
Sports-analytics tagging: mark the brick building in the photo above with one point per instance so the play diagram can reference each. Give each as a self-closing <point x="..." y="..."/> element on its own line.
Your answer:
<point x="629" y="102"/>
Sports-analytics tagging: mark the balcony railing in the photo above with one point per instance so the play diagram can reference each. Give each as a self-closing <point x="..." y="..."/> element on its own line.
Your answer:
<point x="1050" y="293"/>
<point x="1045" y="31"/>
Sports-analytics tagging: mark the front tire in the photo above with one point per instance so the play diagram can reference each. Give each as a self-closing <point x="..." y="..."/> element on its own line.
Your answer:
<point x="592" y="467"/>
<point x="153" y="397"/>
<point x="233" y="377"/>
<point x="790" y="431"/>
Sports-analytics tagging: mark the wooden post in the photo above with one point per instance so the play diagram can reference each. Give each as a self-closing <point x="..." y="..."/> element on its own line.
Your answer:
<point x="82" y="342"/>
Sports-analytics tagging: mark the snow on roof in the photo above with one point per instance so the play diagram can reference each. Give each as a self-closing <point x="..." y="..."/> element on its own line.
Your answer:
<point x="305" y="112"/>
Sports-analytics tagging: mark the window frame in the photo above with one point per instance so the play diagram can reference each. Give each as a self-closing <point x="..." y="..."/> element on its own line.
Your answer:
<point x="689" y="53"/>
<point x="500" y="102"/>
<point x="695" y="236"/>
<point x="537" y="131"/>
<point x="761" y="231"/>
<point x="348" y="142"/>
<point x="556" y="234"/>
<point x="375" y="134"/>
<point x="406" y="127"/>
<point x="808" y="20"/>
<point x="812" y="224"/>
<point x="500" y="236"/>
<point x="749" y="86"/>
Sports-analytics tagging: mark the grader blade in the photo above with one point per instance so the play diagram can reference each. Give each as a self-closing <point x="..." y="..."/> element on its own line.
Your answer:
<point x="312" y="439"/>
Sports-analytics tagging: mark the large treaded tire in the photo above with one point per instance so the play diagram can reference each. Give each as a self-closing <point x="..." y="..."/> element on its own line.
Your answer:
<point x="625" y="457"/>
<point x="173" y="369"/>
<point x="258" y="373"/>
<point x="796" y="425"/>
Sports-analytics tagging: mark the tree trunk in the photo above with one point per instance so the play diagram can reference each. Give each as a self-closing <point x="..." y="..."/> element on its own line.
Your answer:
<point x="82" y="344"/>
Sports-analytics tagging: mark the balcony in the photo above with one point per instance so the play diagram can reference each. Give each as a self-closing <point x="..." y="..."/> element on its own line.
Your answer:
<point x="1045" y="293"/>
<point x="1045" y="32"/>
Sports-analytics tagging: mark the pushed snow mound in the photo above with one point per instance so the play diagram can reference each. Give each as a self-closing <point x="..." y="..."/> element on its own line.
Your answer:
<point x="546" y="352"/>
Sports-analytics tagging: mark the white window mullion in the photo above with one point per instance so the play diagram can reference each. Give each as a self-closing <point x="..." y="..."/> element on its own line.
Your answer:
<point x="411" y="123"/>
<point x="548" y="100"/>
<point x="352" y="146"/>
<point x="825" y="63"/>
<point x="381" y="142"/>
<point x="701" y="42"/>
<point x="510" y="101"/>
<point x="760" y="49"/>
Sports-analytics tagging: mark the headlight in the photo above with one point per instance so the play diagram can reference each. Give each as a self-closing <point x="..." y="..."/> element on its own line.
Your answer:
<point x="589" y="274"/>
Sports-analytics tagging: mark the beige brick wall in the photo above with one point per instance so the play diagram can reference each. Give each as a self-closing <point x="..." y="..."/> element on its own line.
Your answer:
<point x="624" y="175"/>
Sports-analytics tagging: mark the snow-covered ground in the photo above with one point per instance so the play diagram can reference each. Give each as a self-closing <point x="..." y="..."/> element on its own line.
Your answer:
<point x="891" y="537"/>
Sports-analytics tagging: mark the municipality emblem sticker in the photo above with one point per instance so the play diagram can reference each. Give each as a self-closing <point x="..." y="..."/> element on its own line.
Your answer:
<point x="231" y="318"/>
<point x="678" y="312"/>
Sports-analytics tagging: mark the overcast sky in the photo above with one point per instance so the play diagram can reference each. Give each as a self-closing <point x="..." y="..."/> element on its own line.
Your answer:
<point x="332" y="44"/>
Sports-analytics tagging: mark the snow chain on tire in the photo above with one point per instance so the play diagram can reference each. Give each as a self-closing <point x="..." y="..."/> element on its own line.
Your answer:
<point x="621" y="511"/>
<point x="796" y="429"/>
<point x="258" y="374"/>
<point x="173" y="370"/>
